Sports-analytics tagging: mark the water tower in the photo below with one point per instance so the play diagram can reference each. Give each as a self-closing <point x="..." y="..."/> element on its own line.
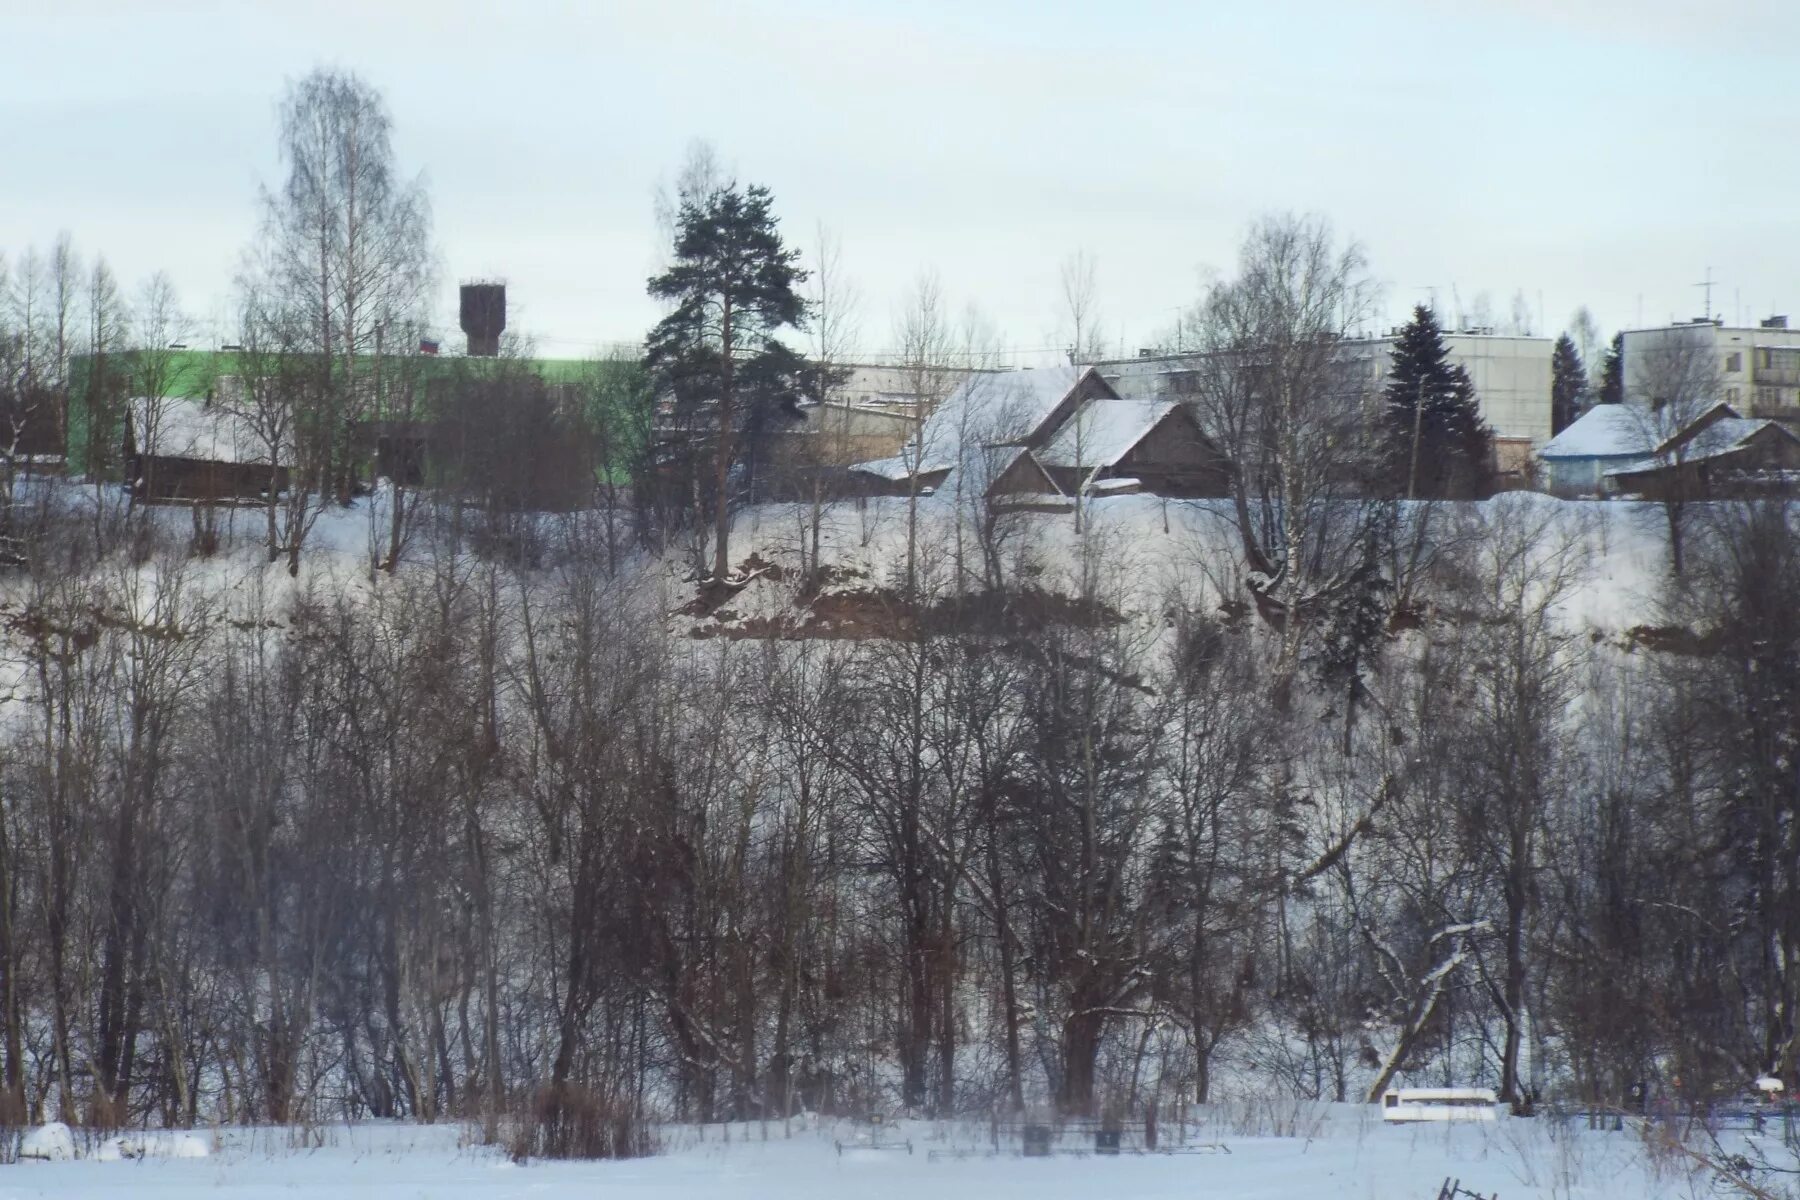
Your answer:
<point x="483" y="317"/>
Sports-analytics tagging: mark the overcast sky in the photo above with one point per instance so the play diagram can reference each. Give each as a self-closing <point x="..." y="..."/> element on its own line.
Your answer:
<point x="1605" y="152"/>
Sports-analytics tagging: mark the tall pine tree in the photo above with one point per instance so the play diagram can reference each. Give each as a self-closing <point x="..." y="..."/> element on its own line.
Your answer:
<point x="1438" y="442"/>
<point x="1568" y="384"/>
<point x="1612" y="372"/>
<point x="723" y="374"/>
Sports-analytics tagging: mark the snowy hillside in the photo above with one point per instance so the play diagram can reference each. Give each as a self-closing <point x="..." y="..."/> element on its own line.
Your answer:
<point x="1155" y="548"/>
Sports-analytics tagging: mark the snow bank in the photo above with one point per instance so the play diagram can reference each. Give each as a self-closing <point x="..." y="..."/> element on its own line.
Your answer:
<point x="1346" y="1151"/>
<point x="54" y="1142"/>
<point x="154" y="1143"/>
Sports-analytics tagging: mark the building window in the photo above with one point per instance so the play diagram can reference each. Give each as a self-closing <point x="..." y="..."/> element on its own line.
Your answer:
<point x="1184" y="383"/>
<point x="1764" y="360"/>
<point x="1734" y="362"/>
<point x="1731" y="395"/>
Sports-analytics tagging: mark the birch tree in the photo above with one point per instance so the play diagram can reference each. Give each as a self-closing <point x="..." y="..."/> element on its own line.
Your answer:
<point x="1275" y="393"/>
<point x="346" y="258"/>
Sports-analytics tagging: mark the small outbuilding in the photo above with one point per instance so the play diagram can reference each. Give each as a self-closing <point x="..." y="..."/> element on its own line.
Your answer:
<point x="1604" y="438"/>
<point x="185" y="449"/>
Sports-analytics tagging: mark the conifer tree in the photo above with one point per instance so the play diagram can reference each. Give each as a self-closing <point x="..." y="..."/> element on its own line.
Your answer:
<point x="1612" y="372"/>
<point x="1568" y="384"/>
<point x="1439" y="443"/>
<point x="716" y="358"/>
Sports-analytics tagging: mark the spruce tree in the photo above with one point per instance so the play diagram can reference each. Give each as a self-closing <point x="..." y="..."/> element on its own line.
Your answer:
<point x="725" y="377"/>
<point x="1568" y="384"/>
<point x="1612" y="372"/>
<point x="1439" y="444"/>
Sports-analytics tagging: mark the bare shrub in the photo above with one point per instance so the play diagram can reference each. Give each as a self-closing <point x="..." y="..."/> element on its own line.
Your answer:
<point x="571" y="1122"/>
<point x="1270" y="1115"/>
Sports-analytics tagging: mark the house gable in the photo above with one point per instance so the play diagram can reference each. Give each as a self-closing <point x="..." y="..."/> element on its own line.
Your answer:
<point x="1024" y="475"/>
<point x="1089" y="385"/>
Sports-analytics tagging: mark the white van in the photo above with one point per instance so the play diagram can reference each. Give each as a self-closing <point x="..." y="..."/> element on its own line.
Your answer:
<point x="1438" y="1104"/>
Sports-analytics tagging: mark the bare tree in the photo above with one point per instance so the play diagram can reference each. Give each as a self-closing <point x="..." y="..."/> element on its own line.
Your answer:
<point x="274" y="400"/>
<point x="1415" y="896"/>
<point x="158" y="329"/>
<point x="1584" y="328"/>
<point x="1078" y="278"/>
<point x="34" y="371"/>
<point x="26" y="301"/>
<point x="1275" y="394"/>
<point x="1208" y="872"/>
<point x="1515" y="748"/>
<point x="1085" y="832"/>
<point x="924" y="334"/>
<point x="701" y="174"/>
<point x="1742" y="710"/>
<point x="1080" y="297"/>
<point x="834" y="302"/>
<point x="1520" y="324"/>
<point x="103" y="385"/>
<point x="397" y="386"/>
<point x="1675" y="379"/>
<point x="63" y="292"/>
<point x="346" y="251"/>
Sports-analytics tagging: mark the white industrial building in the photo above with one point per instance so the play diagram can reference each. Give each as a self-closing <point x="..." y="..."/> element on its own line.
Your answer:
<point x="911" y="390"/>
<point x="1511" y="375"/>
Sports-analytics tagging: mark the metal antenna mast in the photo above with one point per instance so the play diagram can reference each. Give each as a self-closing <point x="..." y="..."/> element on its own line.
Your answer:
<point x="1707" y="283"/>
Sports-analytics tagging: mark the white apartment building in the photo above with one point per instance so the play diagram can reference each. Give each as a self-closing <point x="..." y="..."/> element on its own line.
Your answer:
<point x="1758" y="366"/>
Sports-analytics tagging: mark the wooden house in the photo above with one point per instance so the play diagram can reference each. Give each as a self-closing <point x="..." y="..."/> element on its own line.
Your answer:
<point x="1718" y="455"/>
<point x="1052" y="432"/>
<point x="1009" y="409"/>
<point x="1113" y="447"/>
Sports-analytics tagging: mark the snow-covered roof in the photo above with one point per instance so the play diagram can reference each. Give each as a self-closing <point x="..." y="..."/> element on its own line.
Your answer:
<point x="896" y="468"/>
<point x="986" y="409"/>
<point x="183" y="427"/>
<point x="1144" y="378"/>
<point x="1115" y="487"/>
<point x="1102" y="431"/>
<point x="1604" y="431"/>
<point x="1724" y="436"/>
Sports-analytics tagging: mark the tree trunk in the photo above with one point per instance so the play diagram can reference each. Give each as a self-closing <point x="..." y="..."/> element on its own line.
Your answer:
<point x="12" y="1074"/>
<point x="1081" y="1050"/>
<point x="946" y="981"/>
<point x="1511" y="1090"/>
<point x="1009" y="1000"/>
<point x="722" y="463"/>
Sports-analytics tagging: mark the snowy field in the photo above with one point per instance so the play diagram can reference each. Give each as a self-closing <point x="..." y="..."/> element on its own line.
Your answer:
<point x="1338" y="1151"/>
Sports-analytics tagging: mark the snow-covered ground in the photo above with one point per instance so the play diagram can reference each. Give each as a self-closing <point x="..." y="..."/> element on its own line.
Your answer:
<point x="1340" y="1151"/>
<point x="1153" y="549"/>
